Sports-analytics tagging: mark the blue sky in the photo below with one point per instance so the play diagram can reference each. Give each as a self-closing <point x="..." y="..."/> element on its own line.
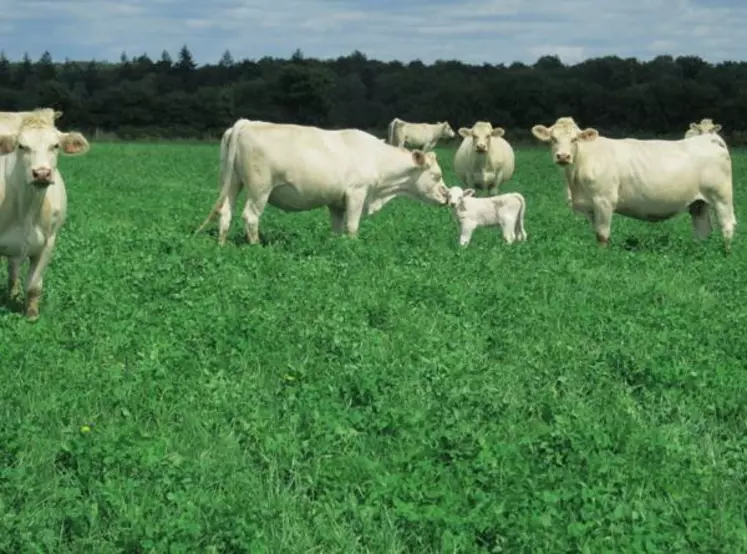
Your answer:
<point x="473" y="31"/>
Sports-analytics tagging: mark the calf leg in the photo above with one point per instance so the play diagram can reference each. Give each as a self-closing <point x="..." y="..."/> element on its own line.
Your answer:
<point x="15" y="292"/>
<point x="465" y="233"/>
<point x="35" y="279"/>
<point x="508" y="228"/>
<point x="701" y="219"/>
<point x="337" y="218"/>
<point x="253" y="209"/>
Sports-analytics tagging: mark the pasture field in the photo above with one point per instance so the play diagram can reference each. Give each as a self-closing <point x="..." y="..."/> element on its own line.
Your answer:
<point x="389" y="394"/>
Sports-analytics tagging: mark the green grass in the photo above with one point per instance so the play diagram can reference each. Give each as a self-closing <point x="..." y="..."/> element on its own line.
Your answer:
<point x="387" y="394"/>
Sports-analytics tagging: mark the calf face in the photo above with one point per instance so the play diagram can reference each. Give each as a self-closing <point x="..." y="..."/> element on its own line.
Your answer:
<point x="428" y="178"/>
<point x="455" y="196"/>
<point x="563" y="137"/>
<point x="447" y="131"/>
<point x="481" y="133"/>
<point x="37" y="149"/>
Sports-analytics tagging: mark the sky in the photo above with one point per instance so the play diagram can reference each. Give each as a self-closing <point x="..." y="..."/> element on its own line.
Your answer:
<point x="472" y="31"/>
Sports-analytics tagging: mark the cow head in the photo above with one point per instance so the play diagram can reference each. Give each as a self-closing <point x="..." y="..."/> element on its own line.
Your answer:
<point x="447" y="131"/>
<point x="428" y="178"/>
<point x="563" y="137"/>
<point x="456" y="196"/>
<point x="705" y="126"/>
<point x="37" y="145"/>
<point x="481" y="133"/>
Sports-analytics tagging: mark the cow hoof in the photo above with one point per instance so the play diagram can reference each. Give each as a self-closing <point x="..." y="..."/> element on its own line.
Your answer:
<point x="32" y="315"/>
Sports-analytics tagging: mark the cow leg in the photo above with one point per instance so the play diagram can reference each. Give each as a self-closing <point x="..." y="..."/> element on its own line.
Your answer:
<point x="337" y="218"/>
<point x="701" y="219"/>
<point x="226" y="210"/>
<point x="15" y="292"/>
<point x="726" y="220"/>
<point x="252" y="212"/>
<point x="602" y="221"/>
<point x="35" y="279"/>
<point x="353" y="212"/>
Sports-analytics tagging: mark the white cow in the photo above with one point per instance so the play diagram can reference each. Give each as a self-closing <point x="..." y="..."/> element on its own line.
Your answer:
<point x="505" y="211"/>
<point x="11" y="121"/>
<point x="33" y="201"/>
<point x="484" y="159"/>
<point x="418" y="135"/>
<point x="301" y="168"/>
<point x="705" y="126"/>
<point x="648" y="180"/>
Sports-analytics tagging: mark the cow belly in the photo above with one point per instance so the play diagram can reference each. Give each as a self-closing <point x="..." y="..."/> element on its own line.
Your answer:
<point x="652" y="210"/>
<point x="290" y="199"/>
<point x="12" y="243"/>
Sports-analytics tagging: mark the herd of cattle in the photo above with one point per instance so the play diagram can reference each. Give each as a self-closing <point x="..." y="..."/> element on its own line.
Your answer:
<point x="352" y="172"/>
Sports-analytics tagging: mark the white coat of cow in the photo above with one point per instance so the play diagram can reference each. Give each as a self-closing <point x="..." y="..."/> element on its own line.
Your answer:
<point x="11" y="121"/>
<point x="33" y="200"/>
<point x="648" y="180"/>
<point x="484" y="159"/>
<point x="301" y="168"/>
<point x="505" y="211"/>
<point x="424" y="136"/>
<point x="705" y="126"/>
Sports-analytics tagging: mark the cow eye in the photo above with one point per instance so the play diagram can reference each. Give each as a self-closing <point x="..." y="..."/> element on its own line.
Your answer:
<point x="56" y="146"/>
<point x="22" y="146"/>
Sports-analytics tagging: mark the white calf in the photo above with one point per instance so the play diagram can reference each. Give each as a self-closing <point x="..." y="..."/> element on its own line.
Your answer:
<point x="505" y="211"/>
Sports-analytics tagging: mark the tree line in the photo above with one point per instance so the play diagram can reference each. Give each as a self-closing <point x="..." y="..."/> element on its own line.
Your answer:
<point x="141" y="98"/>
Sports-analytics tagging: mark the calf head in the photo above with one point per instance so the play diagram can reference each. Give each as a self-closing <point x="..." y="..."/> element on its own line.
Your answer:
<point x="563" y="137"/>
<point x="456" y="195"/>
<point x="37" y="145"/>
<point x="447" y="131"/>
<point x="481" y="133"/>
<point x="428" y="178"/>
<point x="705" y="126"/>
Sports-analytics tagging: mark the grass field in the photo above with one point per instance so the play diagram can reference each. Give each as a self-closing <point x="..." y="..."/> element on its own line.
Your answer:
<point x="387" y="394"/>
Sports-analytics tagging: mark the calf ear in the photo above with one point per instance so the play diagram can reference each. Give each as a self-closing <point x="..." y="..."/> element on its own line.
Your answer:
<point x="8" y="143"/>
<point x="498" y="132"/>
<point x="588" y="134"/>
<point x="464" y="132"/>
<point x="469" y="192"/>
<point x="74" y="143"/>
<point x="541" y="132"/>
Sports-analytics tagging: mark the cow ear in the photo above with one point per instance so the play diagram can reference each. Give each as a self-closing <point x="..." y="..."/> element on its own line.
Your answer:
<point x="464" y="132"/>
<point x="8" y="143"/>
<point x="74" y="143"/>
<point x="588" y="134"/>
<point x="57" y="115"/>
<point x="716" y="128"/>
<point x="541" y="132"/>
<point x="693" y="126"/>
<point x="418" y="156"/>
<point x="469" y="192"/>
<point x="498" y="132"/>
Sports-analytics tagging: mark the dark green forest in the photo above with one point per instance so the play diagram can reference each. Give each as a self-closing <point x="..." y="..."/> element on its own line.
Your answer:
<point x="142" y="98"/>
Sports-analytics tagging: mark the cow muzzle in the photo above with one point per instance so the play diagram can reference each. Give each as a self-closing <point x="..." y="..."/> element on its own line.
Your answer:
<point x="481" y="148"/>
<point x="42" y="177"/>
<point x="562" y="159"/>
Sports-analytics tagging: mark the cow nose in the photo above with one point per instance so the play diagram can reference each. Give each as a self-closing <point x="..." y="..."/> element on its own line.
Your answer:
<point x="564" y="158"/>
<point x="42" y="174"/>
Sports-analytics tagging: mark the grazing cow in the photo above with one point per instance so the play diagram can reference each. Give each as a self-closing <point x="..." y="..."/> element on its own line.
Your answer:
<point x="705" y="126"/>
<point x="505" y="211"/>
<point x="484" y="159"/>
<point x="33" y="200"/>
<point x="301" y="168"/>
<point x="648" y="180"/>
<point x="418" y="135"/>
<point x="11" y="121"/>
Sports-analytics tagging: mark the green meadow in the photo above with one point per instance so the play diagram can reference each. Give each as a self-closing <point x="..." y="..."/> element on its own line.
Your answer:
<point x="387" y="394"/>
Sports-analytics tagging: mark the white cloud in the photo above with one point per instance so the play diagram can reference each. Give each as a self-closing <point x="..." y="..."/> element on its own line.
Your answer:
<point x="474" y="31"/>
